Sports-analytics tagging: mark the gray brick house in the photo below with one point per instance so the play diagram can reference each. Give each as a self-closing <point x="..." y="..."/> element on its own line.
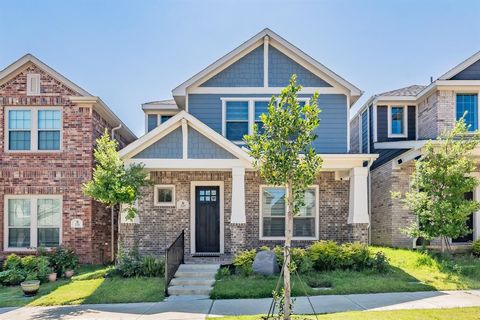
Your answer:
<point x="396" y="125"/>
<point x="203" y="181"/>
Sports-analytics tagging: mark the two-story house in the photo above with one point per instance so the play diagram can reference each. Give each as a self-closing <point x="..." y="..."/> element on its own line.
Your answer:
<point x="47" y="136"/>
<point x="203" y="179"/>
<point x="396" y="125"/>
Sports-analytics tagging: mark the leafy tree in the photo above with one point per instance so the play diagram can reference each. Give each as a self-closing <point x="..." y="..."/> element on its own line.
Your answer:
<point x="284" y="155"/>
<point x="113" y="183"/>
<point x="441" y="179"/>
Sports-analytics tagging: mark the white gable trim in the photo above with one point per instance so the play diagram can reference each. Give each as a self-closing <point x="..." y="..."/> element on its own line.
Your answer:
<point x="251" y="44"/>
<point x="176" y="121"/>
<point x="462" y="66"/>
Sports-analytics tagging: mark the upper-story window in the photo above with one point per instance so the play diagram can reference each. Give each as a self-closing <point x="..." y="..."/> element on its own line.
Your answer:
<point x="32" y="129"/>
<point x="397" y="121"/>
<point x="154" y="120"/>
<point x="241" y="114"/>
<point x="468" y="104"/>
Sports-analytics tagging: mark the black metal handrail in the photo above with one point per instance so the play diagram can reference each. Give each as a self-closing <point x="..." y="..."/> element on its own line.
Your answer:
<point x="174" y="258"/>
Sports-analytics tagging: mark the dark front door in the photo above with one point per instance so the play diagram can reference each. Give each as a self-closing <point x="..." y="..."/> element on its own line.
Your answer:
<point x="468" y="237"/>
<point x="207" y="219"/>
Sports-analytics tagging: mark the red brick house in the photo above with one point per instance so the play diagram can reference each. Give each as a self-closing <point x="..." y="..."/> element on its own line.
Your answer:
<point x="47" y="133"/>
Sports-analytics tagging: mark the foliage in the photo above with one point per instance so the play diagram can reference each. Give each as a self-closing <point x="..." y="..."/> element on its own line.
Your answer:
<point x="222" y="273"/>
<point x="62" y="259"/>
<point x="300" y="259"/>
<point x="12" y="277"/>
<point x="476" y="248"/>
<point x="12" y="262"/>
<point x="328" y="255"/>
<point x="243" y="261"/>
<point x="113" y="183"/>
<point x="284" y="152"/>
<point x="439" y="183"/>
<point x="131" y="264"/>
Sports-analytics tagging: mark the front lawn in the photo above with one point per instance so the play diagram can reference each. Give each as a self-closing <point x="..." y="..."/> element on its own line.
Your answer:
<point x="409" y="271"/>
<point x="88" y="286"/>
<point x="428" y="314"/>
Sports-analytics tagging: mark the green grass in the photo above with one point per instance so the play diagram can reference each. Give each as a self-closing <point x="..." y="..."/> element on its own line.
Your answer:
<point x="428" y="314"/>
<point x="409" y="271"/>
<point x="88" y="286"/>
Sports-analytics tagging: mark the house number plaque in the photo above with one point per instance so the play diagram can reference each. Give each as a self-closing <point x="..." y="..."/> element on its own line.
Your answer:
<point x="76" y="223"/>
<point x="183" y="204"/>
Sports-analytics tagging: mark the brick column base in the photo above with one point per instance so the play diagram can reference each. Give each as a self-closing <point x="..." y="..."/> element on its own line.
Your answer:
<point x="238" y="238"/>
<point x="359" y="232"/>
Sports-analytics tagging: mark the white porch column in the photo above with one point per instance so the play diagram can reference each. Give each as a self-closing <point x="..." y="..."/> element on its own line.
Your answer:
<point x="358" y="206"/>
<point x="238" y="195"/>
<point x="476" y="215"/>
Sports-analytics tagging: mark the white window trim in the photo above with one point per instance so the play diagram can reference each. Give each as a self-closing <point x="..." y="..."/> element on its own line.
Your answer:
<point x="33" y="129"/>
<point x="251" y="111"/>
<point x="33" y="91"/>
<point x="317" y="215"/>
<point x="33" y="220"/>
<point x="155" y="195"/>
<point x="478" y="107"/>
<point x="405" y="121"/>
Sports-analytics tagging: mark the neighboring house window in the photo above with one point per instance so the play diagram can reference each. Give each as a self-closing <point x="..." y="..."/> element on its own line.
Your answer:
<point x="34" y="129"/>
<point x="164" y="195"/>
<point x="397" y="121"/>
<point x="164" y="118"/>
<point x="33" y="221"/>
<point x="48" y="130"/>
<point x="273" y="212"/>
<point x="33" y="84"/>
<point x="468" y="104"/>
<point x="236" y="121"/>
<point x="19" y="129"/>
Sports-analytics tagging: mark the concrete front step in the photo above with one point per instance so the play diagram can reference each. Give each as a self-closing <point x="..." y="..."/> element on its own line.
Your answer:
<point x="189" y="290"/>
<point x="195" y="274"/>
<point x="199" y="267"/>
<point x="192" y="282"/>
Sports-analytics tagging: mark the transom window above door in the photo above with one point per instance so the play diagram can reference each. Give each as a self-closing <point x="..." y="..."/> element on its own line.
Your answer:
<point x="33" y="129"/>
<point x="397" y="121"/>
<point x="241" y="114"/>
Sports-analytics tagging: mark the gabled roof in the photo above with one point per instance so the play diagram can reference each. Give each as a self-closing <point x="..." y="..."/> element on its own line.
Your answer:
<point x="100" y="106"/>
<point x="253" y="43"/>
<point x="168" y="104"/>
<point x="171" y="124"/>
<point x="460" y="67"/>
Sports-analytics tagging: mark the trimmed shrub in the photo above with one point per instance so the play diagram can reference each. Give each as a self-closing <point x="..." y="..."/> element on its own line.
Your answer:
<point x="299" y="257"/>
<point x="153" y="267"/>
<point x="12" y="262"/>
<point x="17" y="269"/>
<point x="62" y="259"/>
<point x="243" y="261"/>
<point x="355" y="256"/>
<point x="12" y="277"/>
<point x="476" y="248"/>
<point x="325" y="255"/>
<point x="131" y="264"/>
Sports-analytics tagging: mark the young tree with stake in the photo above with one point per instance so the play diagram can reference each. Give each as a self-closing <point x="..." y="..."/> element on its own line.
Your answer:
<point x="284" y="155"/>
<point x="112" y="182"/>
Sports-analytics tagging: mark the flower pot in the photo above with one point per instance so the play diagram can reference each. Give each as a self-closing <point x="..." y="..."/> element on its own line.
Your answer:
<point x="68" y="273"/>
<point x="30" y="288"/>
<point x="52" y="277"/>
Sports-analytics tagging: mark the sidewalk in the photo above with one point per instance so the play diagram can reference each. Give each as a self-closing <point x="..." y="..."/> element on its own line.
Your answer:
<point x="185" y="308"/>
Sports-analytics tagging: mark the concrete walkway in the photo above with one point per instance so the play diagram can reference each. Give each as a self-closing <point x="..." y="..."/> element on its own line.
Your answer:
<point x="179" y="308"/>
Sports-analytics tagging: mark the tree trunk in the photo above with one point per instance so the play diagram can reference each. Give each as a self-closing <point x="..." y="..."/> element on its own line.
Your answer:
<point x="112" y="231"/>
<point x="286" y="254"/>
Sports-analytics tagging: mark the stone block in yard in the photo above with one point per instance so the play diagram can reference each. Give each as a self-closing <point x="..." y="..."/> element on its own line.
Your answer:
<point x="265" y="263"/>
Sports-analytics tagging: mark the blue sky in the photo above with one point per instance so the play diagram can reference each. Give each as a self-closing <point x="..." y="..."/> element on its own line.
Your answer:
<point x="130" y="52"/>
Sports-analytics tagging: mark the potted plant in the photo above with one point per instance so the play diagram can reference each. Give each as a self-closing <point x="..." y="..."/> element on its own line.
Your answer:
<point x="30" y="287"/>
<point x="52" y="276"/>
<point x="63" y="261"/>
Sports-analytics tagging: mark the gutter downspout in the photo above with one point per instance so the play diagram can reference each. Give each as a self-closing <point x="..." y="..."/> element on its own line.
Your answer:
<point x="369" y="193"/>
<point x="112" y="209"/>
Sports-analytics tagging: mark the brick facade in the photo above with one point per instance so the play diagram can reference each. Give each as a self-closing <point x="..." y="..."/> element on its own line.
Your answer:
<point x="436" y="113"/>
<point x="389" y="216"/>
<point x="61" y="172"/>
<point x="159" y="226"/>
